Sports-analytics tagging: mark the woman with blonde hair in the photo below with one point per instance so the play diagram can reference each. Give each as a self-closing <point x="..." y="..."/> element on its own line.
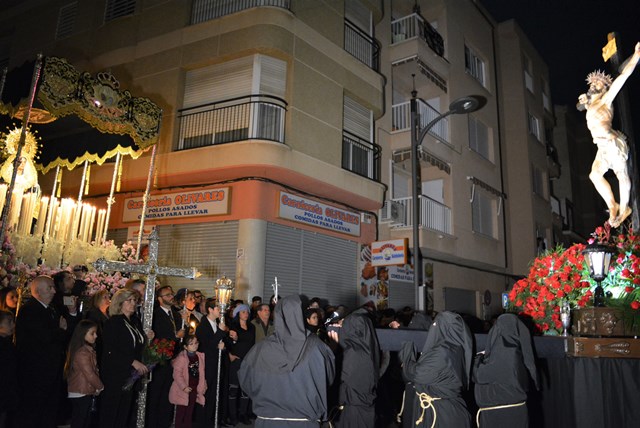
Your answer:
<point x="123" y="342"/>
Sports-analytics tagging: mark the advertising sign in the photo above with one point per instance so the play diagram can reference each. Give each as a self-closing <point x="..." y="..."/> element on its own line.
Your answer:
<point x="194" y="203"/>
<point x="387" y="253"/>
<point x="308" y="211"/>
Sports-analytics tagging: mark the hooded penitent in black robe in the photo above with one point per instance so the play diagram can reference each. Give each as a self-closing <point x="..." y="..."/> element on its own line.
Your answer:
<point x="286" y="375"/>
<point x="439" y="375"/>
<point x="501" y="374"/>
<point x="360" y="372"/>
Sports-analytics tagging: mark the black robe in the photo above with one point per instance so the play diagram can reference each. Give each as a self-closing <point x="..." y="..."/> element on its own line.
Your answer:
<point x="441" y="373"/>
<point x="501" y="374"/>
<point x="360" y="372"/>
<point x="287" y="374"/>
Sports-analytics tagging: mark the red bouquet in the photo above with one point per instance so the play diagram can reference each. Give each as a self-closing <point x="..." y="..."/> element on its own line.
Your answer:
<point x="159" y="351"/>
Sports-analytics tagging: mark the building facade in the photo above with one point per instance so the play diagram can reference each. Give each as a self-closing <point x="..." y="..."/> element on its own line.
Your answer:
<point x="285" y="142"/>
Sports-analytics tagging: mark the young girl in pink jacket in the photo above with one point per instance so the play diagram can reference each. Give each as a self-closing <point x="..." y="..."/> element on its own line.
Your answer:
<point x="188" y="385"/>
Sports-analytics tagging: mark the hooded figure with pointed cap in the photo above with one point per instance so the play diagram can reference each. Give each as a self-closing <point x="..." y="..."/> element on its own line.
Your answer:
<point x="439" y="375"/>
<point x="502" y="374"/>
<point x="286" y="375"/>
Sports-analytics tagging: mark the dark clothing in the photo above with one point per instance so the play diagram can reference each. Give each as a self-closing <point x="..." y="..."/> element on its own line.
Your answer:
<point x="100" y="319"/>
<point x="238" y="401"/>
<point x="81" y="411"/>
<point x="159" y="410"/>
<point x="123" y="342"/>
<point x="360" y="372"/>
<point x="9" y="376"/>
<point x="440" y="374"/>
<point x="501" y="374"/>
<point x="40" y="343"/>
<point x="209" y="346"/>
<point x="287" y="374"/>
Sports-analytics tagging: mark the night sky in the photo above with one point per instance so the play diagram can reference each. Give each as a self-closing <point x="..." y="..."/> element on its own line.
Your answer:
<point x="570" y="34"/>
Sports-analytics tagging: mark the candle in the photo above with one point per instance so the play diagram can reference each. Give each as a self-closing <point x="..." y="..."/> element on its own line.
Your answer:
<point x="42" y="215"/>
<point x="92" y="219"/>
<point x="47" y="228"/>
<point x="3" y="195"/>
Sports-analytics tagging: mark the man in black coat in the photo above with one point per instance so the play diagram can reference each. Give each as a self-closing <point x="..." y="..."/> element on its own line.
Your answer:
<point x="40" y="342"/>
<point x="167" y="324"/>
<point x="8" y="369"/>
<point x="212" y="337"/>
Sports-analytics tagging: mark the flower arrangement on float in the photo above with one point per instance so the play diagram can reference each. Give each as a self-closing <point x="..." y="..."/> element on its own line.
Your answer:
<point x="14" y="271"/>
<point x="561" y="275"/>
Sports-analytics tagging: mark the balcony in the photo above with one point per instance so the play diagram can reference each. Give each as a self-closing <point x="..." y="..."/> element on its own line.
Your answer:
<point x="415" y="26"/>
<point x="360" y="156"/>
<point x="259" y="117"/>
<point x="401" y="119"/>
<point x="205" y="10"/>
<point x="433" y="215"/>
<point x="362" y="46"/>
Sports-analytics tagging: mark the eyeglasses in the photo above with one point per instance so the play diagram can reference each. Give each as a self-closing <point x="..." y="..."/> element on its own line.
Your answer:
<point x="167" y="295"/>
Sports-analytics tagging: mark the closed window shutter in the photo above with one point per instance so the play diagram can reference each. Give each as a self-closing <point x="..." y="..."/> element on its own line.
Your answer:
<point x="209" y="247"/>
<point x="311" y="264"/>
<point x="359" y="14"/>
<point x="67" y="20"/>
<point x="273" y="76"/>
<point x="218" y="82"/>
<point x="357" y="119"/>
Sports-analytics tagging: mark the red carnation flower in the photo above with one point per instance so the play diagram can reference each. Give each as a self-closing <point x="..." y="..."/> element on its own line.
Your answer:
<point x="628" y="289"/>
<point x="635" y="305"/>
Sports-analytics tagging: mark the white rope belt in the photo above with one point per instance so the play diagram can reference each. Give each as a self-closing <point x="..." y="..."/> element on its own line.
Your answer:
<point x="426" y="402"/>
<point x="504" y="406"/>
<point x="287" y="419"/>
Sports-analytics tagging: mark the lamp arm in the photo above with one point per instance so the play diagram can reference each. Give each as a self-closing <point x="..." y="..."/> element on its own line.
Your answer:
<point x="431" y="124"/>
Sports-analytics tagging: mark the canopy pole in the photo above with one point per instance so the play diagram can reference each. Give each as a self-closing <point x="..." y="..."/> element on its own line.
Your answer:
<point x="16" y="162"/>
<point x="3" y="80"/>
<point x="145" y="199"/>
<point x="111" y="200"/>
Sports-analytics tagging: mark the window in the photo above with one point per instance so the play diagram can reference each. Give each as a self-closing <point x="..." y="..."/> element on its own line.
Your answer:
<point x="534" y="127"/>
<point x="538" y="182"/>
<point x="546" y="100"/>
<point x="483" y="213"/>
<point x="401" y="182"/>
<point x="66" y="20"/>
<point x="474" y="65"/>
<point x="479" y="138"/>
<point x="528" y="73"/>
<point x="236" y="100"/>
<point x="359" y="154"/>
<point x="358" y="34"/>
<point x="118" y="8"/>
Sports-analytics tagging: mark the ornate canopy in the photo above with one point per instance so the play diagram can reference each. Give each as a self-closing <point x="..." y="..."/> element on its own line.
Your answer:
<point x="78" y="116"/>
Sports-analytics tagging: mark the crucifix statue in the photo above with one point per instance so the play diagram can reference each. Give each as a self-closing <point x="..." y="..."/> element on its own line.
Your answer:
<point x="151" y="270"/>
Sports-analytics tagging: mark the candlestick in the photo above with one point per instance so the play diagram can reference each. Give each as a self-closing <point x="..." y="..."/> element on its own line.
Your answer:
<point x="42" y="215"/>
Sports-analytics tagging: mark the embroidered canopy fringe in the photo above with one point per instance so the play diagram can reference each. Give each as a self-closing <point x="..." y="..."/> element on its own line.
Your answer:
<point x="504" y="406"/>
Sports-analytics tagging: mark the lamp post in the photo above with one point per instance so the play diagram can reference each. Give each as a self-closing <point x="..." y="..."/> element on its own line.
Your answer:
<point x="460" y="106"/>
<point x="598" y="259"/>
<point x="224" y="288"/>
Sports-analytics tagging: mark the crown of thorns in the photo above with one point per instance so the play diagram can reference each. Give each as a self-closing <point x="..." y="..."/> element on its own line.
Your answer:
<point x="599" y="76"/>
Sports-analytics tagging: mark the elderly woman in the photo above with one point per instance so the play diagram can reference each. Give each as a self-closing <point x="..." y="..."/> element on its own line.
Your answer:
<point x="123" y="342"/>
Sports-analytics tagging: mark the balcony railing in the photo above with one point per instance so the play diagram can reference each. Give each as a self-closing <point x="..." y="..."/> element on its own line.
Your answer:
<point x="204" y="10"/>
<point x="433" y="214"/>
<point x="362" y="46"/>
<point x="415" y="25"/>
<point x="401" y="119"/>
<point x="360" y="156"/>
<point x="258" y="117"/>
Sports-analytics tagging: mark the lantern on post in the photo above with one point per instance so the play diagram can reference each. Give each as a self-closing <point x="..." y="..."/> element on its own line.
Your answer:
<point x="224" y="288"/>
<point x="598" y="259"/>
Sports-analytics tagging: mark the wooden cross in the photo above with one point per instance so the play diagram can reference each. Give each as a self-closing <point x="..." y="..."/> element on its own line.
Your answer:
<point x="151" y="270"/>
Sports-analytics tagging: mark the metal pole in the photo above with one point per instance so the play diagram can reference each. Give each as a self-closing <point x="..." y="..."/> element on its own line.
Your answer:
<point x="16" y="162"/>
<point x="145" y="199"/>
<point x="415" y="182"/>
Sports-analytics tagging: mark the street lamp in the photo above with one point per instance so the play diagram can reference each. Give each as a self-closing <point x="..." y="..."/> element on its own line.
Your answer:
<point x="462" y="105"/>
<point x="598" y="259"/>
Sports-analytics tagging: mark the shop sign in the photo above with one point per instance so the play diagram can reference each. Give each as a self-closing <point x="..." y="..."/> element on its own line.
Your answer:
<point x="387" y="253"/>
<point x="307" y="211"/>
<point x="176" y="205"/>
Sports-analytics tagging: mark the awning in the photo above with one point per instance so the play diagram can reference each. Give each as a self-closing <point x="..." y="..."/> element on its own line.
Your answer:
<point x="79" y="117"/>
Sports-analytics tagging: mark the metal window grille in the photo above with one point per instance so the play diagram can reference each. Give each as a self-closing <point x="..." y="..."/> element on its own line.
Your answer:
<point x="66" y="20"/>
<point x="119" y="8"/>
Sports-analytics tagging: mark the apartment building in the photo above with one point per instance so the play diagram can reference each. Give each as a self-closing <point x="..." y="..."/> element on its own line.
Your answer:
<point x="298" y="112"/>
